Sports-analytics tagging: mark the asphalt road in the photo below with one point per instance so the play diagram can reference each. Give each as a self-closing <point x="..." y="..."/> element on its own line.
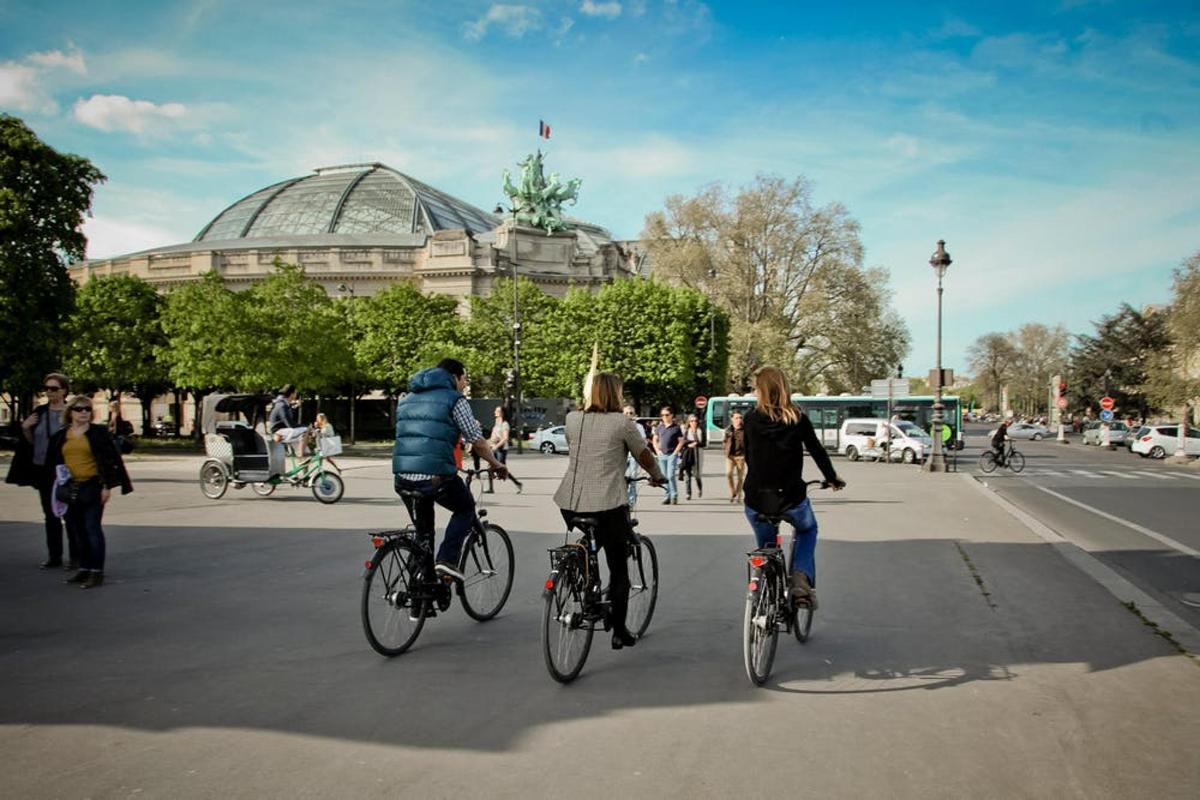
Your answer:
<point x="1138" y="515"/>
<point x="955" y="654"/>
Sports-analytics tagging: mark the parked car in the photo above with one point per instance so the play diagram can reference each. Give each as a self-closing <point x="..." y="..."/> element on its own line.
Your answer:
<point x="1160" y="441"/>
<point x="1134" y="436"/>
<point x="550" y="440"/>
<point x="1027" y="430"/>
<point x="868" y="438"/>
<point x="1118" y="433"/>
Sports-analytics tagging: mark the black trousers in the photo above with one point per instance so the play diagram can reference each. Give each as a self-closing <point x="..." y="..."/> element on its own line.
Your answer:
<point x="44" y="481"/>
<point x="612" y="533"/>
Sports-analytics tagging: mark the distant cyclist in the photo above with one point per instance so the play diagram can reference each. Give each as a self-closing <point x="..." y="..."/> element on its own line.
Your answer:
<point x="429" y="421"/>
<point x="777" y="436"/>
<point x="282" y="424"/>
<point x="998" y="440"/>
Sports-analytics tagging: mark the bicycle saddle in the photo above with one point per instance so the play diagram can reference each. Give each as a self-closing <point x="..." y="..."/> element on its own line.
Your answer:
<point x="584" y="524"/>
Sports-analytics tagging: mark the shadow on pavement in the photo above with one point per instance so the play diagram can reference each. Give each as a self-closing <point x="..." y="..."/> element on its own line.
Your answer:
<point x="248" y="629"/>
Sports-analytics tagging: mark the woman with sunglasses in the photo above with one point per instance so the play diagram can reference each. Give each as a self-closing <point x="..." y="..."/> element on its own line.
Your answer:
<point x="92" y="457"/>
<point x="29" y="467"/>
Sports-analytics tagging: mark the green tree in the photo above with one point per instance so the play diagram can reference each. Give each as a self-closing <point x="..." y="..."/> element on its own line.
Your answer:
<point x="1117" y="359"/>
<point x="44" y="195"/>
<point x="489" y="331"/>
<point x="1042" y="352"/>
<point x="115" y="334"/>
<point x="392" y="331"/>
<point x="298" y="335"/>
<point x="1173" y="376"/>
<point x="775" y="262"/>
<point x="207" y="344"/>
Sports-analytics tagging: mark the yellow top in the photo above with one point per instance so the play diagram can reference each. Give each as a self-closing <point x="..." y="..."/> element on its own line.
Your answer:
<point x="77" y="455"/>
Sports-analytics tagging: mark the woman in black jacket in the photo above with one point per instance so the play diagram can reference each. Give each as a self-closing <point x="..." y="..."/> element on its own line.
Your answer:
<point x="777" y="435"/>
<point x="91" y="455"/>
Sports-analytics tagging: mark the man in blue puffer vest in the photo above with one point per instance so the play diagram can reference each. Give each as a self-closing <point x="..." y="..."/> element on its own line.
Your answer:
<point x="429" y="421"/>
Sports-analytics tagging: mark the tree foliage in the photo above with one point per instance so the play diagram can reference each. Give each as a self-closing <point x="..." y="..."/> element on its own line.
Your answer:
<point x="1118" y="358"/>
<point x="394" y="330"/>
<point x="993" y="358"/>
<point x="1042" y="352"/>
<point x="114" y="331"/>
<point x="44" y="195"/>
<point x="206" y="346"/>
<point x="1173" y="375"/>
<point x="788" y="273"/>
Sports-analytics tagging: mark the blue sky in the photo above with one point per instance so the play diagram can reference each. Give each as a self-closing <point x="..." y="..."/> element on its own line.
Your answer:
<point x="1054" y="145"/>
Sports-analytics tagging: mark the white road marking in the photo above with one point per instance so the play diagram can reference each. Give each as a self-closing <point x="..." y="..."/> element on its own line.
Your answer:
<point x="1115" y="474"/>
<point x="1085" y="473"/>
<point x="1158" y="475"/>
<point x="1167" y="540"/>
<point x="1186" y="475"/>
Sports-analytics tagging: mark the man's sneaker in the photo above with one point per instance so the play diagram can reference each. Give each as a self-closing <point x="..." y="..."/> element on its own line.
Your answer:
<point x="447" y="570"/>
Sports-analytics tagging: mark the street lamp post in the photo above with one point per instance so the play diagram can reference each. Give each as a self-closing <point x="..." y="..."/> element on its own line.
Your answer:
<point x="516" y="329"/>
<point x="940" y="261"/>
<point x="345" y="288"/>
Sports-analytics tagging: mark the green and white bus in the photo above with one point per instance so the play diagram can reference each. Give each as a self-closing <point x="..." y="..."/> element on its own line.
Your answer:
<point x="828" y="412"/>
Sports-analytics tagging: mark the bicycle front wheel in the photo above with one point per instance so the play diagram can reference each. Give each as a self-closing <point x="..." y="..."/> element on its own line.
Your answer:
<point x="566" y="635"/>
<point x="760" y="630"/>
<point x="1016" y="461"/>
<point x="328" y="487"/>
<point x="487" y="572"/>
<point x="392" y="618"/>
<point x="987" y="462"/>
<point x="643" y="585"/>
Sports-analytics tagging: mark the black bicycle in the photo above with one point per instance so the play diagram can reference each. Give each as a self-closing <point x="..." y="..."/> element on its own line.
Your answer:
<point x="401" y="591"/>
<point x="1009" y="457"/>
<point x="769" y="602"/>
<point x="575" y="598"/>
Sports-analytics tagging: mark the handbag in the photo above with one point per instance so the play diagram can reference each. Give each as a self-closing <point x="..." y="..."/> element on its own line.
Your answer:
<point x="124" y="444"/>
<point x="67" y="493"/>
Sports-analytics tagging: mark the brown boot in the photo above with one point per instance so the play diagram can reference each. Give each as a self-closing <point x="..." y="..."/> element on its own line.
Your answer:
<point x="802" y="590"/>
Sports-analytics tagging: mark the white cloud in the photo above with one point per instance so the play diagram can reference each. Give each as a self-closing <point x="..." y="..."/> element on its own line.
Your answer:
<point x="57" y="59"/>
<point x="608" y="10"/>
<point x="108" y="237"/>
<point x="26" y="85"/>
<point x="515" y="21"/>
<point x="21" y="90"/>
<point x="114" y="112"/>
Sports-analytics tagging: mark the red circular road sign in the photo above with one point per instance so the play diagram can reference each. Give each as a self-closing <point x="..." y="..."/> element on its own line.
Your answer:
<point x="1107" y="403"/>
<point x="1061" y="402"/>
<point x="701" y="402"/>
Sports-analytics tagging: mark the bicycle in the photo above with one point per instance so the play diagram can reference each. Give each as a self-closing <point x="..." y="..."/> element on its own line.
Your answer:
<point x="401" y="591"/>
<point x="575" y="598"/>
<point x="769" y="602"/>
<point x="311" y="471"/>
<point x="988" y="462"/>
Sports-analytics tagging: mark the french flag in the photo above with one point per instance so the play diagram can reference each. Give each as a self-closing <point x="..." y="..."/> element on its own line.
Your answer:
<point x="543" y="129"/>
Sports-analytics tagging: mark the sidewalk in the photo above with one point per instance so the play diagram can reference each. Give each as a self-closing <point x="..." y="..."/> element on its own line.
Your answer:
<point x="955" y="654"/>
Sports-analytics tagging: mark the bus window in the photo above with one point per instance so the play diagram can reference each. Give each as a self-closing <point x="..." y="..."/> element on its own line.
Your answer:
<point x="719" y="407"/>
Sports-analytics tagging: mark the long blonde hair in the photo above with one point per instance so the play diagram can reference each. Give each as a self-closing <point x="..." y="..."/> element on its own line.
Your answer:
<point x="774" y="396"/>
<point x="606" y="393"/>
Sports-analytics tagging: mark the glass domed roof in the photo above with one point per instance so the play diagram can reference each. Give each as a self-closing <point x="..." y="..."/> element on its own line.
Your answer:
<point x="352" y="199"/>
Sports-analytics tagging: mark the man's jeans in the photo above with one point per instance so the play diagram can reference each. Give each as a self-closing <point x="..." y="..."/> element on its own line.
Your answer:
<point x="669" y="465"/>
<point x="804" y="539"/>
<point x="450" y="493"/>
<point x="631" y="471"/>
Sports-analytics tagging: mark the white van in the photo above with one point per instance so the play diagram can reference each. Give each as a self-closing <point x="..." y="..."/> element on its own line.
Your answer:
<point x="868" y="438"/>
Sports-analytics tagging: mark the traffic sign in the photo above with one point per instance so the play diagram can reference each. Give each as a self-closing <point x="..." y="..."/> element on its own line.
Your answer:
<point x="1106" y="415"/>
<point x="1061" y="402"/>
<point x="701" y="402"/>
<point x="1107" y="403"/>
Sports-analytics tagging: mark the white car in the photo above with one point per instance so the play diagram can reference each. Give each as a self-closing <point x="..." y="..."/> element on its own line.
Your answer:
<point x="867" y="438"/>
<point x="1027" y="430"/>
<point x="1160" y="441"/>
<point x="550" y="440"/>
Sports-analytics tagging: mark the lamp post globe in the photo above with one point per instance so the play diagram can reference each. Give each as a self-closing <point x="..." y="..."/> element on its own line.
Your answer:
<point x="940" y="261"/>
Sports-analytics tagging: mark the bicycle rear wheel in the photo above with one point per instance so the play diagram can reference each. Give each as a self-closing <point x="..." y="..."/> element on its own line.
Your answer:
<point x="643" y="585"/>
<point x="487" y="572"/>
<point x="760" y="630"/>
<point x="392" y="619"/>
<point x="987" y="461"/>
<point x="1016" y="461"/>
<point x="566" y="635"/>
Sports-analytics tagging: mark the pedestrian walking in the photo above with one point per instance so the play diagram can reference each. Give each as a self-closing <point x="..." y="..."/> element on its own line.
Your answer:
<point x="30" y="466"/>
<point x="735" y="457"/>
<point x="501" y="433"/>
<point x="631" y="464"/>
<point x="691" y="458"/>
<point x="91" y="455"/>
<point x="120" y="428"/>
<point x="668" y="442"/>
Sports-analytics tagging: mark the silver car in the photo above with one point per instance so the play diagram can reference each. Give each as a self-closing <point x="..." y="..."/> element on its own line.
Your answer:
<point x="1118" y="433"/>
<point x="550" y="440"/>
<point x="1028" y="430"/>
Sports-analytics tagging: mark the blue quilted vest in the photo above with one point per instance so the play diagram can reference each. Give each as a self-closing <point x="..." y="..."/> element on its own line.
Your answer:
<point x="425" y="429"/>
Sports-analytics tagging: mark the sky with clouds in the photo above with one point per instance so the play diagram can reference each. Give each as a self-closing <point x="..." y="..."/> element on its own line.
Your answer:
<point x="1053" y="145"/>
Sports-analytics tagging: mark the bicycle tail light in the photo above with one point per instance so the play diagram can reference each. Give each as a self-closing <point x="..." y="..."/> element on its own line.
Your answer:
<point x="377" y="541"/>
<point x="757" y="561"/>
<point x="753" y="586"/>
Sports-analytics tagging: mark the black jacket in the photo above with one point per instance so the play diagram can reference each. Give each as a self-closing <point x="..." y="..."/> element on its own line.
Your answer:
<point x="104" y="450"/>
<point x="775" y="461"/>
<point x="21" y="471"/>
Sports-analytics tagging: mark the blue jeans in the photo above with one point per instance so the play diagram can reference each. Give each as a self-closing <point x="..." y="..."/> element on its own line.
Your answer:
<point x="631" y="471"/>
<point x="83" y="518"/>
<point x="668" y="465"/>
<point x="449" y="493"/>
<point x="805" y="537"/>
